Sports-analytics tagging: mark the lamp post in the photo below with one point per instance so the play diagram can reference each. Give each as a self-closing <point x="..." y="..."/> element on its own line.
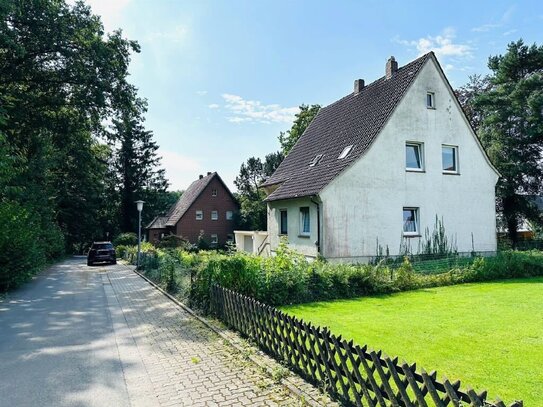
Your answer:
<point x="139" y="205"/>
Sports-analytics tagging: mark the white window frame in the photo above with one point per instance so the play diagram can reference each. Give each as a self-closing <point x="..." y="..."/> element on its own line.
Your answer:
<point x="214" y="215"/>
<point x="214" y="239"/>
<point x="213" y="192"/>
<point x="420" y="146"/>
<point x="345" y="152"/>
<point x="455" y="149"/>
<point x="316" y="160"/>
<point x="417" y="221"/>
<point x="199" y="215"/>
<point x="229" y="215"/>
<point x="302" y="223"/>
<point x="281" y="211"/>
<point x="432" y="104"/>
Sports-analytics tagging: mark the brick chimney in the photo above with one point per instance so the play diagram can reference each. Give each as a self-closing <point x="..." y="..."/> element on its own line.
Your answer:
<point x="201" y="176"/>
<point x="358" y="86"/>
<point x="209" y="173"/>
<point x="391" y="67"/>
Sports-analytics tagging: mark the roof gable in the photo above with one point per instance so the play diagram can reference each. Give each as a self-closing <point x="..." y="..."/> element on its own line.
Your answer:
<point x="355" y="120"/>
<point x="158" y="222"/>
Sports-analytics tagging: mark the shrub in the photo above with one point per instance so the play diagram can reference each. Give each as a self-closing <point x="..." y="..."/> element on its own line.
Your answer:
<point x="21" y="254"/>
<point x="126" y="239"/>
<point x="289" y="278"/>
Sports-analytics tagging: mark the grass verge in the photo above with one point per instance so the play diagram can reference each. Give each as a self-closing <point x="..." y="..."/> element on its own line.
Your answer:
<point x="489" y="335"/>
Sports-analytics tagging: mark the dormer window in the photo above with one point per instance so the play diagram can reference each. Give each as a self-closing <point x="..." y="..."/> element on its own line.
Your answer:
<point x="430" y="100"/>
<point x="345" y="152"/>
<point x="315" y="160"/>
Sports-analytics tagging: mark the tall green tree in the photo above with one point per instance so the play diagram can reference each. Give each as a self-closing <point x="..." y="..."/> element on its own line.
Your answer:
<point x="302" y="120"/>
<point x="61" y="78"/>
<point x="511" y="130"/>
<point x="135" y="161"/>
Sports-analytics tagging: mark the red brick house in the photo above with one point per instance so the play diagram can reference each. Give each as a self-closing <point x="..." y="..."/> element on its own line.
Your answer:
<point x="205" y="209"/>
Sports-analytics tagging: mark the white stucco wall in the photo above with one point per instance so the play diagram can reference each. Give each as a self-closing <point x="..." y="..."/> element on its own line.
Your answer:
<point x="366" y="202"/>
<point x="303" y="244"/>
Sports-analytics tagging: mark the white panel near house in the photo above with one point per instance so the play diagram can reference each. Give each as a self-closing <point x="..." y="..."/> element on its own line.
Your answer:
<point x="365" y="203"/>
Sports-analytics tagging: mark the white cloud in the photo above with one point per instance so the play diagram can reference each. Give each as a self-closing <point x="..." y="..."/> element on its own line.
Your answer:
<point x="174" y="35"/>
<point x="443" y="45"/>
<point x="254" y="111"/>
<point x="110" y="11"/>
<point x="181" y="170"/>
<point x="509" y="32"/>
<point x="213" y="106"/>
<point x="201" y="92"/>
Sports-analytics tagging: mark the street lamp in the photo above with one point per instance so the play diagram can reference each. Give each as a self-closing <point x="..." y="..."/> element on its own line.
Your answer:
<point x="139" y="205"/>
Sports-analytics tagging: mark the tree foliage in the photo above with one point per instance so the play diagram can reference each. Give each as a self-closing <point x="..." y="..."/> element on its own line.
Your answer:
<point x="61" y="79"/>
<point x="508" y="113"/>
<point x="302" y="120"/>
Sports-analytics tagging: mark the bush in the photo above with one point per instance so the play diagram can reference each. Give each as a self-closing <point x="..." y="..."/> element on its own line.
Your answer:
<point x="289" y="278"/>
<point x="126" y="239"/>
<point x="21" y="254"/>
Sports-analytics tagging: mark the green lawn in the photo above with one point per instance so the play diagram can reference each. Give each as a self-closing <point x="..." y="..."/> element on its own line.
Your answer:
<point x="489" y="335"/>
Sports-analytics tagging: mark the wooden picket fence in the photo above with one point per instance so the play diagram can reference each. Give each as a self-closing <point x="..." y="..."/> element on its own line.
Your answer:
<point x="352" y="374"/>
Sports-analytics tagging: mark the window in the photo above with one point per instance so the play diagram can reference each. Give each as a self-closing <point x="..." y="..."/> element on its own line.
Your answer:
<point x="214" y="239"/>
<point x="199" y="215"/>
<point x="214" y="215"/>
<point x="213" y="192"/>
<point x="230" y="238"/>
<point x="410" y="221"/>
<point x="283" y="230"/>
<point x="413" y="157"/>
<point x="315" y="160"/>
<point x="229" y="215"/>
<point x="449" y="156"/>
<point x="304" y="221"/>
<point x="430" y="100"/>
<point x="345" y="152"/>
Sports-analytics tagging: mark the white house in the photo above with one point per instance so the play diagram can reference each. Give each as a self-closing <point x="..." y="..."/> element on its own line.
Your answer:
<point x="377" y="167"/>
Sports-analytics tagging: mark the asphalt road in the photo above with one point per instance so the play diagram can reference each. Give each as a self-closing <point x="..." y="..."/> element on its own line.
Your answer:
<point x="57" y="341"/>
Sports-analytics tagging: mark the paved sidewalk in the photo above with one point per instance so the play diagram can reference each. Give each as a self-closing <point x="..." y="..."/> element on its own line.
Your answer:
<point x="172" y="359"/>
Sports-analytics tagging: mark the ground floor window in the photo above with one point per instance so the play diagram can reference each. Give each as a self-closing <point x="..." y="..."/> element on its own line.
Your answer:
<point x="214" y="239"/>
<point x="283" y="229"/>
<point x="305" y="224"/>
<point x="410" y="221"/>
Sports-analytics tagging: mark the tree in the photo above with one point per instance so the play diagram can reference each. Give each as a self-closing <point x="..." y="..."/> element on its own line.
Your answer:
<point x="250" y="196"/>
<point x="303" y="119"/>
<point x="511" y="130"/>
<point x="135" y="161"/>
<point x="61" y="78"/>
<point x="476" y="86"/>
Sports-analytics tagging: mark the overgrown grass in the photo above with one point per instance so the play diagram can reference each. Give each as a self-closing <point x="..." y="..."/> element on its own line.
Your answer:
<point x="489" y="335"/>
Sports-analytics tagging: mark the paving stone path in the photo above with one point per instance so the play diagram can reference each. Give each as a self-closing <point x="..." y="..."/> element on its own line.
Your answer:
<point x="79" y="336"/>
<point x="183" y="362"/>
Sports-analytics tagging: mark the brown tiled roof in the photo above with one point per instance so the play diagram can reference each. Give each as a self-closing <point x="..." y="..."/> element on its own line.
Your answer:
<point x="353" y="120"/>
<point x="158" y="223"/>
<point x="187" y="199"/>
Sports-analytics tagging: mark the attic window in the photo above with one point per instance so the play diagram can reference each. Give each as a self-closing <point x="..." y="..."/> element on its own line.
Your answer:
<point x="315" y="160"/>
<point x="345" y="152"/>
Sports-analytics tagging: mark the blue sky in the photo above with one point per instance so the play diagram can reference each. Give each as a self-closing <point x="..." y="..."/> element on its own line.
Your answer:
<point x="223" y="78"/>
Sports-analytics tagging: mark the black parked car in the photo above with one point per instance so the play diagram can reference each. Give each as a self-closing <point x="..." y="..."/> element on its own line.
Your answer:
<point x="101" y="252"/>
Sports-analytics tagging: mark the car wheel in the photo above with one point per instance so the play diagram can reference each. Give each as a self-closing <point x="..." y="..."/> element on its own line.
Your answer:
<point x="114" y="262"/>
<point x="89" y="263"/>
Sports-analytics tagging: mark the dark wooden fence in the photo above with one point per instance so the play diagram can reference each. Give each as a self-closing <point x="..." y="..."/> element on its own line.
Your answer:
<point x="352" y="374"/>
